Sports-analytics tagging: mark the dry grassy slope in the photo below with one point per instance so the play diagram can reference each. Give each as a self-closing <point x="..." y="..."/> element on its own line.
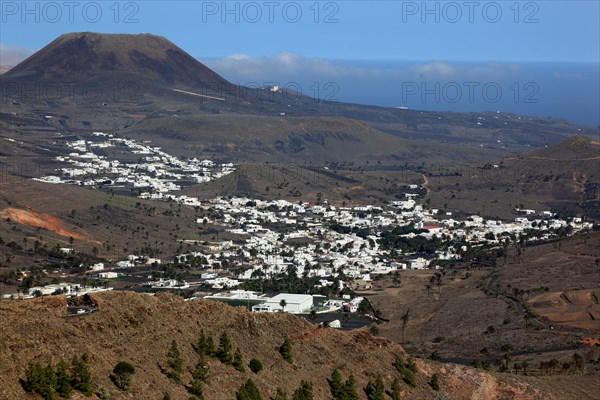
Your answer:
<point x="139" y="329"/>
<point x="250" y="138"/>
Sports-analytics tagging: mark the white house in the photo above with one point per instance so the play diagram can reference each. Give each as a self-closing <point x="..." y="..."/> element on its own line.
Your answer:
<point x="294" y="303"/>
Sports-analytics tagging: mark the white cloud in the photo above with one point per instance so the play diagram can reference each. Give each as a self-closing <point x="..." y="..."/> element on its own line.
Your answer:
<point x="283" y="64"/>
<point x="287" y="65"/>
<point x="11" y="56"/>
<point x="435" y="69"/>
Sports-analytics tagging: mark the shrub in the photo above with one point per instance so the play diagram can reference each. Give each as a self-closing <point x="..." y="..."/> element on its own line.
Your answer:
<point x="304" y="392"/>
<point x="81" y="378"/>
<point x="286" y="351"/>
<point x="122" y="374"/>
<point x="255" y="365"/>
<point x="435" y="382"/>
<point x="248" y="391"/>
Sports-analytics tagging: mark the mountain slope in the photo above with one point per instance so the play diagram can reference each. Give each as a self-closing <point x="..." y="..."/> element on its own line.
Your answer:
<point x="139" y="329"/>
<point x="77" y="57"/>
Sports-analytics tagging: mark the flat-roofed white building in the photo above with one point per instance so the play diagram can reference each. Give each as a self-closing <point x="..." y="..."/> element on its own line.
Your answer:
<point x="294" y="303"/>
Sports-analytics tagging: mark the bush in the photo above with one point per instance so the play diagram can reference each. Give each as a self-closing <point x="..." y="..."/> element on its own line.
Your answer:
<point x="407" y="370"/>
<point x="40" y="380"/>
<point x="304" y="392"/>
<point x="435" y="382"/>
<point x="248" y="391"/>
<point x="286" y="351"/>
<point x="255" y="365"/>
<point x="121" y="375"/>
<point x="375" y="390"/>
<point x="81" y="378"/>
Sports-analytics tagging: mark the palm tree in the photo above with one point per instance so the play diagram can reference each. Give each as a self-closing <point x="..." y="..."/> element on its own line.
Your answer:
<point x="283" y="303"/>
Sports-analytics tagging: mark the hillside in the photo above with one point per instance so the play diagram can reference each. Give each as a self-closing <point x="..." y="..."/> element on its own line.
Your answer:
<point x="79" y="57"/>
<point x="139" y="329"/>
<point x="578" y="147"/>
<point x="563" y="177"/>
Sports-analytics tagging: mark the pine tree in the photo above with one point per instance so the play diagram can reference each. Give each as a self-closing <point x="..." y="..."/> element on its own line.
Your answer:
<point x="336" y="385"/>
<point x="248" y="391"/>
<point x="199" y="378"/>
<point x="48" y="388"/>
<point x="238" y="362"/>
<point x="435" y="382"/>
<point x="63" y="380"/>
<point x="81" y="378"/>
<point x="350" y="389"/>
<point x="286" y="351"/>
<point x="304" y="392"/>
<point x="210" y="346"/>
<point x="174" y="362"/>
<point x="200" y="373"/>
<point x="280" y="395"/>
<point x="224" y="351"/>
<point x="341" y="390"/>
<point x="407" y="370"/>
<point x="33" y="377"/>
<point x="396" y="389"/>
<point x="375" y="390"/>
<point x="200" y="347"/>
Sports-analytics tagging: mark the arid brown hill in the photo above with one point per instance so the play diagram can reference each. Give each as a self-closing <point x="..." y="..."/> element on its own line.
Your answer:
<point x="139" y="329"/>
<point x="78" y="57"/>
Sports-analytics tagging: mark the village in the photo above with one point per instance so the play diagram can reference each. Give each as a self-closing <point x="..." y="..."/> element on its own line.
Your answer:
<point x="145" y="169"/>
<point x="323" y="248"/>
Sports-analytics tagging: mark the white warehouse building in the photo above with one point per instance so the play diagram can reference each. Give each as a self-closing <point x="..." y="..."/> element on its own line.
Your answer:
<point x="294" y="303"/>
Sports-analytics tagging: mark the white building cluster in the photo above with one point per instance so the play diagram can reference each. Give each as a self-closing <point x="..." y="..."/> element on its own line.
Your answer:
<point x="147" y="168"/>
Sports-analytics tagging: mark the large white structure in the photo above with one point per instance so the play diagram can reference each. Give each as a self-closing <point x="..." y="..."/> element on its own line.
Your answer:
<point x="294" y="303"/>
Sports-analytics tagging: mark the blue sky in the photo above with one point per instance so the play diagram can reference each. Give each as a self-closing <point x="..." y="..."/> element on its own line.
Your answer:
<point x="562" y="31"/>
<point x="360" y="51"/>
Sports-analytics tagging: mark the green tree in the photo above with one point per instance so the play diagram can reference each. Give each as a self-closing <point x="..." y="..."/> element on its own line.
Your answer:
<point x="341" y="390"/>
<point x="280" y="395"/>
<point x="174" y="362"/>
<point x="350" y="388"/>
<point x="41" y="380"/>
<point x="210" y="346"/>
<point x="407" y="370"/>
<point x="63" y="380"/>
<point x="200" y="347"/>
<point x="375" y="390"/>
<point x="286" y="351"/>
<point x="396" y="389"/>
<point x="283" y="304"/>
<point x="200" y="372"/>
<point x="248" y="391"/>
<point x="122" y="374"/>
<point x="336" y="385"/>
<point x="255" y="365"/>
<point x="49" y="387"/>
<point x="224" y="351"/>
<point x="238" y="362"/>
<point x="81" y="378"/>
<point x="435" y="382"/>
<point x="304" y="392"/>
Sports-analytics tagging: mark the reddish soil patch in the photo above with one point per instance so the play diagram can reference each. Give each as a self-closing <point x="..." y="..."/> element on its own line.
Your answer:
<point x="577" y="308"/>
<point x="37" y="219"/>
